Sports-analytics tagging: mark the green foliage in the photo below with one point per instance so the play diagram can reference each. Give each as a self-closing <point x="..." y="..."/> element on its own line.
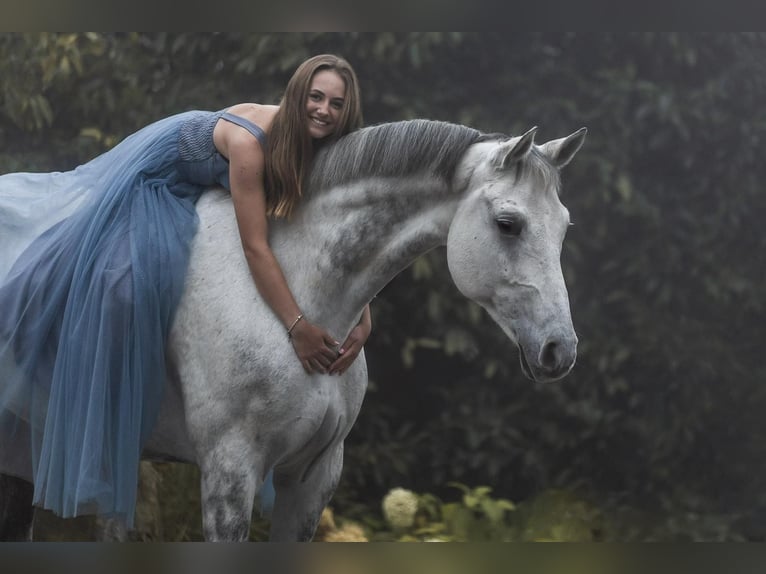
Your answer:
<point x="32" y="65"/>
<point x="476" y="517"/>
<point x="664" y="262"/>
<point x="552" y="515"/>
<point x="559" y="516"/>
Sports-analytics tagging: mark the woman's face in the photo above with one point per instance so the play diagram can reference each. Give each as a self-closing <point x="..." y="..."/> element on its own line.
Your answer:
<point x="327" y="96"/>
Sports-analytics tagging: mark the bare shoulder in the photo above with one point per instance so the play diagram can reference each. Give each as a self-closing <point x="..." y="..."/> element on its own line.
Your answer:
<point x="261" y="115"/>
<point x="232" y="140"/>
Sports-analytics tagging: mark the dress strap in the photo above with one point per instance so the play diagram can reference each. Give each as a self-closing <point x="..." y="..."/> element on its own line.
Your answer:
<point x="257" y="131"/>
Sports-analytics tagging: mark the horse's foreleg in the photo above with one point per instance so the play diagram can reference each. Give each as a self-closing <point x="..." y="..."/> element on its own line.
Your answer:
<point x="16" y="510"/>
<point x="301" y="500"/>
<point x="228" y="485"/>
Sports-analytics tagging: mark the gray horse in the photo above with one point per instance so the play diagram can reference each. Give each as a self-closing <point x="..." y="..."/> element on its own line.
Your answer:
<point x="238" y="402"/>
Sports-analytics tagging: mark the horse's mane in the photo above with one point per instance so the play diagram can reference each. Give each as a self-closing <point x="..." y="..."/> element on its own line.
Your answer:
<point x="395" y="149"/>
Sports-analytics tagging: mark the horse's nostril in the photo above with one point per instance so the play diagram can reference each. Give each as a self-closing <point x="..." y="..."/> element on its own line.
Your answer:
<point x="549" y="357"/>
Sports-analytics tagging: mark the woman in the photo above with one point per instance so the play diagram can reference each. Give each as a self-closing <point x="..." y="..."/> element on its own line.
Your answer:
<point x="92" y="264"/>
<point x="326" y="100"/>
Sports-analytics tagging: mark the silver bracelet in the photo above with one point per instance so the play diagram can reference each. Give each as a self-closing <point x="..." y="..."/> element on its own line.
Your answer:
<point x="290" y="330"/>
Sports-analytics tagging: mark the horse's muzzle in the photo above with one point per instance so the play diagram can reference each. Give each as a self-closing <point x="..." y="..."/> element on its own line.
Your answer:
<point x="554" y="361"/>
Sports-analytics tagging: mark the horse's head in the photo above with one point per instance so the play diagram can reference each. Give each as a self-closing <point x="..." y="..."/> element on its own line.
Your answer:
<point x="504" y="246"/>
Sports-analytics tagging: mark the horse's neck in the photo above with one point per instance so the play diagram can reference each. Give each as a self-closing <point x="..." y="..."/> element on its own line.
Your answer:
<point x="346" y="244"/>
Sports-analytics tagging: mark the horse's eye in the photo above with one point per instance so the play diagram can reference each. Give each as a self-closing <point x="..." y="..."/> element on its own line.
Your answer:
<point x="509" y="225"/>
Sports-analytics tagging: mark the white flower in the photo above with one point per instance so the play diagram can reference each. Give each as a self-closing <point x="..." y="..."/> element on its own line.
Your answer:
<point x="399" y="507"/>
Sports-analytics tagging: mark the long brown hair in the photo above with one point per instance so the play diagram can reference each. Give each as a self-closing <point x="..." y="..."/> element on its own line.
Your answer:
<point x="290" y="147"/>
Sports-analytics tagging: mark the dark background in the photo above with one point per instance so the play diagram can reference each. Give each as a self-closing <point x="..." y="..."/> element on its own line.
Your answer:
<point x="661" y="424"/>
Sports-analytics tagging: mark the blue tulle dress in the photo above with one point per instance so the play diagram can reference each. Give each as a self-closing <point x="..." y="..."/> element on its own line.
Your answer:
<point x="92" y="266"/>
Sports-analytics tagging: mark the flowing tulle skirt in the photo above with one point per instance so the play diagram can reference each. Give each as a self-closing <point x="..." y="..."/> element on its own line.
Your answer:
<point x="92" y="263"/>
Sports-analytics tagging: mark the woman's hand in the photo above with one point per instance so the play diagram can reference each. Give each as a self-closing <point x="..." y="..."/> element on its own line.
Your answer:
<point x="315" y="348"/>
<point x="350" y="349"/>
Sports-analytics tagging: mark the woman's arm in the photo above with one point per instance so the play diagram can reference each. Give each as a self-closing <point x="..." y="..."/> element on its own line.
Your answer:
<point x="353" y="344"/>
<point x="314" y="347"/>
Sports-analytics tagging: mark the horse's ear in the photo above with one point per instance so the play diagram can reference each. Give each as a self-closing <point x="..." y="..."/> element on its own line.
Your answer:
<point x="515" y="149"/>
<point x="561" y="151"/>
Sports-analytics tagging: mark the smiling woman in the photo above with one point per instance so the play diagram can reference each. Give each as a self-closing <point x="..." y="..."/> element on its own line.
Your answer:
<point x="326" y="98"/>
<point x="96" y="267"/>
